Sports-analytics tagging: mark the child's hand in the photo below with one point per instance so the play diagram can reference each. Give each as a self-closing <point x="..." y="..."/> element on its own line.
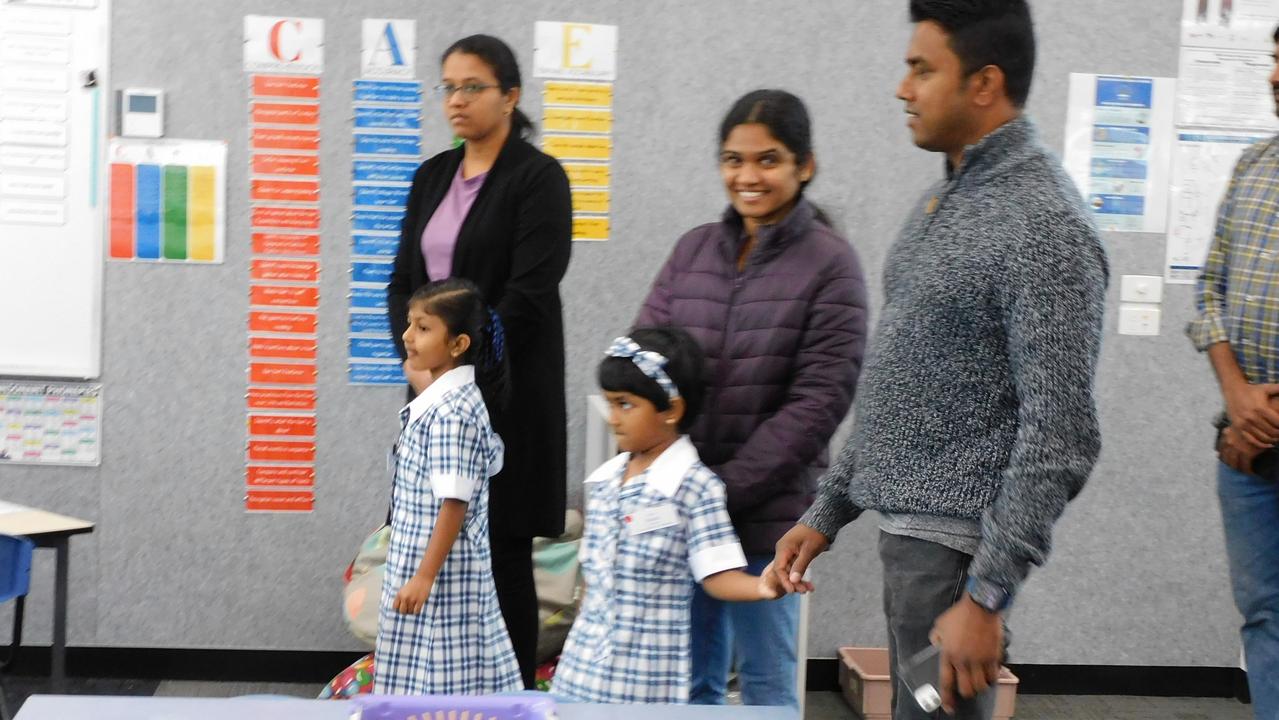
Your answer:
<point x="770" y="587"/>
<point x="419" y="380"/>
<point x="412" y="597"/>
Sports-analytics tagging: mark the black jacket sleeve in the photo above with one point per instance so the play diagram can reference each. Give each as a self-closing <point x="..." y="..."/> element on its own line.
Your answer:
<point x="540" y="252"/>
<point x="400" y="286"/>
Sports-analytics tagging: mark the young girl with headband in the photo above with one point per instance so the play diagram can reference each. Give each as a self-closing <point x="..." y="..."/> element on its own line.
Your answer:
<point x="656" y="523"/>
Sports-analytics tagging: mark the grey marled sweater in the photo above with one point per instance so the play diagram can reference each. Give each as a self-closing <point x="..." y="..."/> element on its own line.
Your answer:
<point x="976" y="398"/>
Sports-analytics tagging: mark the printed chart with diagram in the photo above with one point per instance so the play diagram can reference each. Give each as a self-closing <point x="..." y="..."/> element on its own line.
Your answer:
<point x="50" y="423"/>
<point x="1201" y="171"/>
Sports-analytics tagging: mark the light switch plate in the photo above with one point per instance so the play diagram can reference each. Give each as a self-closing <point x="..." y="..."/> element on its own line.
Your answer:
<point x="1138" y="320"/>
<point x="1142" y="289"/>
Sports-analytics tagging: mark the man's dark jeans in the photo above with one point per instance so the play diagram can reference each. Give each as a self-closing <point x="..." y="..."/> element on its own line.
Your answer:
<point x="922" y="580"/>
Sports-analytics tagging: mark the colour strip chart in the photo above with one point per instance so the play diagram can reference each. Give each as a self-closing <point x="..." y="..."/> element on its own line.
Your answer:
<point x="168" y="201"/>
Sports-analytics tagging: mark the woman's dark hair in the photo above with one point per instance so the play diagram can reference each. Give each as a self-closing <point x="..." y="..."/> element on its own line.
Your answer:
<point x="786" y="118"/>
<point x="498" y="56"/>
<point x="685" y="365"/>
<point x="987" y="32"/>
<point x="462" y="308"/>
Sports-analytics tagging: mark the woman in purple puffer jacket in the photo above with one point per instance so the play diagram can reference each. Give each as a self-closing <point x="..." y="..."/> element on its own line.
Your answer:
<point x="777" y="300"/>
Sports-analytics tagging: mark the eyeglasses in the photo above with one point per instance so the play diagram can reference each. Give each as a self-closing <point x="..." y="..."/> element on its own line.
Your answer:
<point x="468" y="91"/>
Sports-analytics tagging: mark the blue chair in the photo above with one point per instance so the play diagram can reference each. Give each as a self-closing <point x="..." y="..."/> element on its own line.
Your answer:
<point x="15" y="580"/>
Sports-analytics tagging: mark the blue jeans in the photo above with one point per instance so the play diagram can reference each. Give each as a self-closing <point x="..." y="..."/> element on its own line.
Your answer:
<point x="760" y="635"/>
<point x="1250" y="514"/>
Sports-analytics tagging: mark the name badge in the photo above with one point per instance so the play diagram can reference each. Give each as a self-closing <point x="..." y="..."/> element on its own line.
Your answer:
<point x="656" y="517"/>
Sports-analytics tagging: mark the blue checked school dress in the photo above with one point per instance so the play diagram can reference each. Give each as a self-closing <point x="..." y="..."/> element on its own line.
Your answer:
<point x="645" y="543"/>
<point x="458" y="644"/>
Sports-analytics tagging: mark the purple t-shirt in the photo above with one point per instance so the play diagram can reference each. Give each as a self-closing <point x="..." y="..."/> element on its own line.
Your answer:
<point x="439" y="238"/>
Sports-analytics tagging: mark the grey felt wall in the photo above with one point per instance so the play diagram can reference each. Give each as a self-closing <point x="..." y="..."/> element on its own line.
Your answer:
<point x="1138" y="575"/>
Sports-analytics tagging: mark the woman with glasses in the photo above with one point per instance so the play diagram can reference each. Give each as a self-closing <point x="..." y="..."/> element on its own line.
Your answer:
<point x="497" y="211"/>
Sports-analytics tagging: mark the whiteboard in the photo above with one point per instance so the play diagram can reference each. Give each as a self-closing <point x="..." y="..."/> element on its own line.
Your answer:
<point x="53" y="124"/>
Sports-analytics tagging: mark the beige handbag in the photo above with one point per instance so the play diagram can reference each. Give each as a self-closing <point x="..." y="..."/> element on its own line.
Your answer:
<point x="557" y="573"/>
<point x="362" y="595"/>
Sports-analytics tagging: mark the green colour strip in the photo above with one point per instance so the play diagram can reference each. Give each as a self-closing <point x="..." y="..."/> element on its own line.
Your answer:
<point x="175" y="212"/>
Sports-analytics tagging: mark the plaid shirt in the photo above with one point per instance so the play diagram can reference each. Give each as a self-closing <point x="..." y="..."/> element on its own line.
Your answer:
<point x="630" y="644"/>
<point x="1238" y="294"/>
<point x="458" y="644"/>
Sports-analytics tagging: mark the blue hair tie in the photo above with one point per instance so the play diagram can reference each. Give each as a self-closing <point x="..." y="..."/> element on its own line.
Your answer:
<point x="497" y="339"/>
<point x="650" y="363"/>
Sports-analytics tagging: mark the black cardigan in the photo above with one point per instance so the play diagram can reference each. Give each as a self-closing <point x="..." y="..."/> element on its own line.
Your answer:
<point x="514" y="244"/>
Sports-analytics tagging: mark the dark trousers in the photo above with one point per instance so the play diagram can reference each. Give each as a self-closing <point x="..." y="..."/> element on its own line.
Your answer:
<point x="517" y="595"/>
<point x="922" y="580"/>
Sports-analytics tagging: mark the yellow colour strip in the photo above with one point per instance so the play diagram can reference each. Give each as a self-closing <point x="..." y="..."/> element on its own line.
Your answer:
<point x="202" y="212"/>
<point x="569" y="147"/>
<point x="590" y="228"/>
<point x="590" y="201"/>
<point x="569" y="93"/>
<point x="580" y="175"/>
<point x="573" y="120"/>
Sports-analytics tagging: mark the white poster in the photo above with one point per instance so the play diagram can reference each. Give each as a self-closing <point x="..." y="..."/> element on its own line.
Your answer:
<point x="575" y="51"/>
<point x="1229" y="24"/>
<point x="1202" y="164"/>
<point x="84" y="4"/>
<point x="282" y="44"/>
<point x="1118" y="140"/>
<point x="40" y="108"/>
<point x="35" y="49"/>
<point x="37" y="22"/>
<point x="32" y="158"/>
<point x="388" y="49"/>
<point x="1226" y="88"/>
<point x="50" y="423"/>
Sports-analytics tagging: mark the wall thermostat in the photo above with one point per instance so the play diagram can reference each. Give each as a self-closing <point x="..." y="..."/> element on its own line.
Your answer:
<point x="142" y="112"/>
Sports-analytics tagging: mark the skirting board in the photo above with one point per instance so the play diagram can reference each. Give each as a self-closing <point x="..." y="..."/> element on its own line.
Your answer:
<point x="823" y="673"/>
<point x="1149" y="681"/>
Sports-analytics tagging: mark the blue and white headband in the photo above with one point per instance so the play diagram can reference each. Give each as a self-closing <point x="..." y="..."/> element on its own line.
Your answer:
<point x="649" y="362"/>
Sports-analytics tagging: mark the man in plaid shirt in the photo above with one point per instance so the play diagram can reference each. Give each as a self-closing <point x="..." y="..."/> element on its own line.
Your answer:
<point x="1238" y="326"/>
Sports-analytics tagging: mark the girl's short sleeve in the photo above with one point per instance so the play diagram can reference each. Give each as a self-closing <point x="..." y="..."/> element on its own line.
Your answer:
<point x="456" y="455"/>
<point x="712" y="543"/>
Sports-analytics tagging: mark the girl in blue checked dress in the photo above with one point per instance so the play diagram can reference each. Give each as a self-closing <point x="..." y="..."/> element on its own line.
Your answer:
<point x="440" y="629"/>
<point x="656" y="523"/>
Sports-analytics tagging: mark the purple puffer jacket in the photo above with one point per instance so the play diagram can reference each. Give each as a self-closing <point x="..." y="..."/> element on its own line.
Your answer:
<point x="783" y="342"/>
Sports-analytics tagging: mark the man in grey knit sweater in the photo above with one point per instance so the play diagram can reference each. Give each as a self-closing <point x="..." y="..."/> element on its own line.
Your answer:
<point x="975" y="422"/>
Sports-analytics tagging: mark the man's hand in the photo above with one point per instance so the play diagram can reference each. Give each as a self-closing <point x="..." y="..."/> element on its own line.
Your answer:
<point x="1252" y="415"/>
<point x="795" y="551"/>
<point x="971" y="640"/>
<point x="1237" y="452"/>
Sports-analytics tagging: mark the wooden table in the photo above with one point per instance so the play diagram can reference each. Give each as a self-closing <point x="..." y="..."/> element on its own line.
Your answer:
<point x="48" y="530"/>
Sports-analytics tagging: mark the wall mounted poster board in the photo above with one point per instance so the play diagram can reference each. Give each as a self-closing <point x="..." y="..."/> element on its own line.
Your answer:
<point x="53" y="104"/>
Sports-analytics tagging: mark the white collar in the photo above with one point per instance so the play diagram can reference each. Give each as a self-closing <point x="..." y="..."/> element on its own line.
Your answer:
<point x="666" y="473"/>
<point x="451" y="380"/>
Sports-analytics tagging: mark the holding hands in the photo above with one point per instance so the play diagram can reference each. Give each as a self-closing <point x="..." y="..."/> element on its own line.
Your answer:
<point x="795" y="551"/>
<point x="769" y="587"/>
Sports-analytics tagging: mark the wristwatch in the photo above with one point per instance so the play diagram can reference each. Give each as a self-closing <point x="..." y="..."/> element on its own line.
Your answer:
<point x="989" y="596"/>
